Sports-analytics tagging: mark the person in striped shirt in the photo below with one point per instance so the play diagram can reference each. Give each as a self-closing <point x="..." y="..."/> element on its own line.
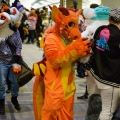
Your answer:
<point x="9" y="63"/>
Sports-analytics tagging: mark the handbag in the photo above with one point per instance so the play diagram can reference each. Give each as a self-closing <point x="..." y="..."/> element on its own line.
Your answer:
<point x="25" y="75"/>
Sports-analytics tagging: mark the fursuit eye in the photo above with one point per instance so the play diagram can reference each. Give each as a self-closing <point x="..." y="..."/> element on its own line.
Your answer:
<point x="3" y="17"/>
<point x="71" y="24"/>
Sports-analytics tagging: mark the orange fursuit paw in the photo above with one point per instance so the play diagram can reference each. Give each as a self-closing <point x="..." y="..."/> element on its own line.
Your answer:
<point x="16" y="68"/>
<point x="83" y="47"/>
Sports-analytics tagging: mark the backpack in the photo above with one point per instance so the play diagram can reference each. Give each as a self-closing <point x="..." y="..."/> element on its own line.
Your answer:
<point x="33" y="22"/>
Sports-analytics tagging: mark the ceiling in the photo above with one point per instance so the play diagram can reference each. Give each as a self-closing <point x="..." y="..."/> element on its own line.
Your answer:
<point x="42" y="3"/>
<point x="37" y="3"/>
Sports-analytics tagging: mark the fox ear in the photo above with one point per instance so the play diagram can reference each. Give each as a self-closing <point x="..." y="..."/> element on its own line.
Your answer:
<point x="56" y="14"/>
<point x="79" y="12"/>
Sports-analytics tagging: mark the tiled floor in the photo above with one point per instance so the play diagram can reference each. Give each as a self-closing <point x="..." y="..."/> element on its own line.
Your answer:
<point x="32" y="54"/>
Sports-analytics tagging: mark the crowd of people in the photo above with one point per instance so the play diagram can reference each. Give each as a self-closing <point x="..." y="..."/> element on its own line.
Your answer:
<point x="33" y="24"/>
<point x="94" y="47"/>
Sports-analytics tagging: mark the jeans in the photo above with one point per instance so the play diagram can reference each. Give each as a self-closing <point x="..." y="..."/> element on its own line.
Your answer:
<point x="6" y="70"/>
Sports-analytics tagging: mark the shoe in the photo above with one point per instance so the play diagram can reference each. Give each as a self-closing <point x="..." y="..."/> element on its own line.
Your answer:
<point x="15" y="103"/>
<point x="83" y="97"/>
<point x="2" y="106"/>
<point x="8" y="91"/>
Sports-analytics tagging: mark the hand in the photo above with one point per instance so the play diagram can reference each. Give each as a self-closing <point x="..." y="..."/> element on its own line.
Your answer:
<point x="83" y="47"/>
<point x="16" y="68"/>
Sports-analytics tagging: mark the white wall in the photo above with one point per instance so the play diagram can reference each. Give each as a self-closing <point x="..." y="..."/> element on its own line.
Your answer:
<point x="86" y="3"/>
<point x="111" y="3"/>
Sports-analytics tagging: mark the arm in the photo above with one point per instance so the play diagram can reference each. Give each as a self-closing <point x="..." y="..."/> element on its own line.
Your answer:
<point x="59" y="57"/>
<point x="18" y="43"/>
<point x="17" y="59"/>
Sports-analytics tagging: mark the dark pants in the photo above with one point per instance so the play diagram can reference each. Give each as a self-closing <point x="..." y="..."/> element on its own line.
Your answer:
<point x="80" y="70"/>
<point x="31" y="36"/>
<point x="8" y="84"/>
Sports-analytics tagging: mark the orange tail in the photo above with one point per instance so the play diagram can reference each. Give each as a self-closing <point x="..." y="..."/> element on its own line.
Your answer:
<point x="38" y="97"/>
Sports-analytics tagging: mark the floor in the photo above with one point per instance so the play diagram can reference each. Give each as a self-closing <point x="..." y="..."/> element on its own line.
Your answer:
<point x="31" y="54"/>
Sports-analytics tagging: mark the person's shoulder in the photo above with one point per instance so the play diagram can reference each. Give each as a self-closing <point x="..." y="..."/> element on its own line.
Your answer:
<point x="102" y="27"/>
<point x="114" y="32"/>
<point x="113" y="28"/>
<point x="98" y="30"/>
<point x="36" y="16"/>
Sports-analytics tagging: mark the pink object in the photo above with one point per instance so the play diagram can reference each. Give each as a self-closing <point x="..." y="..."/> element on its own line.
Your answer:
<point x="105" y="33"/>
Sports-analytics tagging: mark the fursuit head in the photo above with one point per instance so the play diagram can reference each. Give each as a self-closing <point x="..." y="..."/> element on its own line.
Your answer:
<point x="8" y="18"/>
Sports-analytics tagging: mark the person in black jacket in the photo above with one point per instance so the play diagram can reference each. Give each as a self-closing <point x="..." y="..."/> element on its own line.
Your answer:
<point x="22" y="26"/>
<point x="106" y="64"/>
<point x="39" y="27"/>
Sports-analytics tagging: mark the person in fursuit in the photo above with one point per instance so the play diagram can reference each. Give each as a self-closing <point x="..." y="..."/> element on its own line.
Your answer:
<point x="62" y="47"/>
<point x="9" y="61"/>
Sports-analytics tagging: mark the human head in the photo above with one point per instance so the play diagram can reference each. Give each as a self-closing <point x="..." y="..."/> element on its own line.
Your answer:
<point x="37" y="11"/>
<point x="94" y="5"/>
<point x="32" y="12"/>
<point x="114" y="15"/>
